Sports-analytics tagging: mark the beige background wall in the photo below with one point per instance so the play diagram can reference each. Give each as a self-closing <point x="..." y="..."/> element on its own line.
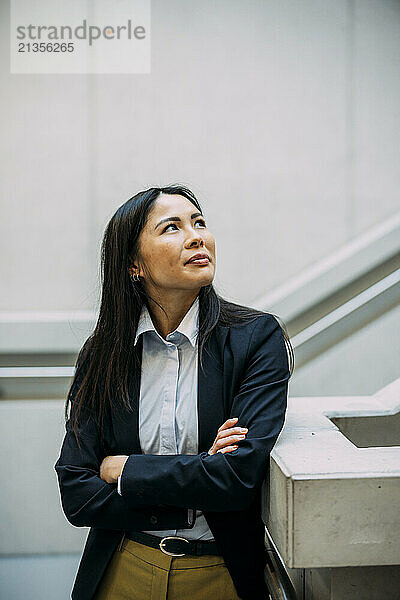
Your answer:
<point x="281" y="115"/>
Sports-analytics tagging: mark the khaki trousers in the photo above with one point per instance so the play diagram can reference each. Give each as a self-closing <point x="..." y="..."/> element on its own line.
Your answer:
<point x="137" y="572"/>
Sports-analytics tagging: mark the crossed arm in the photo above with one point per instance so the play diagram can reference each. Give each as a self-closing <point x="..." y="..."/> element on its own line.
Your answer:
<point x="226" y="441"/>
<point x="213" y="482"/>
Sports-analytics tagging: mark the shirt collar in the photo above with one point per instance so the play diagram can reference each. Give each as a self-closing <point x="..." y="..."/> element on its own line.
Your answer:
<point x="189" y="326"/>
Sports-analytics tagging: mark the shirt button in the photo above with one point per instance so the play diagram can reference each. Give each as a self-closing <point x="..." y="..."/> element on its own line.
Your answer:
<point x="153" y="519"/>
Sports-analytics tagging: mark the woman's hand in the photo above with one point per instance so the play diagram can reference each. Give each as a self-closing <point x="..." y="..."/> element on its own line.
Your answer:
<point x="227" y="437"/>
<point x="111" y="467"/>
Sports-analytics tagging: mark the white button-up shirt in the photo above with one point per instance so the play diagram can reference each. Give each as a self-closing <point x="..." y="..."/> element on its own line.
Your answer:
<point x="168" y="420"/>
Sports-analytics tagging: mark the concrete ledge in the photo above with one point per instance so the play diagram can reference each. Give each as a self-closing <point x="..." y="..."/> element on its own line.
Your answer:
<point x="331" y="503"/>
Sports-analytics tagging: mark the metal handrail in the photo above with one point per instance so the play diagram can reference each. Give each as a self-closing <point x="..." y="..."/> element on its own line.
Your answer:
<point x="279" y="584"/>
<point x="347" y="318"/>
<point x="326" y="277"/>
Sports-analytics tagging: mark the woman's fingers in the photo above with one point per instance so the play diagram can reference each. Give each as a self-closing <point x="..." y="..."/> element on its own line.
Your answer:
<point x="228" y="423"/>
<point x="228" y="436"/>
<point x="227" y="441"/>
<point x="232" y="431"/>
<point x="227" y="449"/>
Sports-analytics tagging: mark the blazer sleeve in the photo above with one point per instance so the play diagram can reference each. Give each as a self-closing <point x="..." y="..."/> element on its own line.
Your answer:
<point x="87" y="500"/>
<point x="230" y="480"/>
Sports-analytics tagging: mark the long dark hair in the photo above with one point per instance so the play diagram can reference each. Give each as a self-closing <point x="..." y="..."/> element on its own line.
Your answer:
<point x="106" y="359"/>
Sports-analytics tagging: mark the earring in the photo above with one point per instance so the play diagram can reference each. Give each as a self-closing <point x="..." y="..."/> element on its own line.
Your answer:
<point x="135" y="277"/>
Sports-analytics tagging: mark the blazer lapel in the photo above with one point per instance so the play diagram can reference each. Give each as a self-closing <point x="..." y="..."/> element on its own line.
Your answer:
<point x="126" y="423"/>
<point x="137" y="375"/>
<point x="210" y="389"/>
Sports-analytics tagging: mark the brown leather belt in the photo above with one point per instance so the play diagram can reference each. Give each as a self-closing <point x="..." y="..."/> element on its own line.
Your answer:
<point x="174" y="545"/>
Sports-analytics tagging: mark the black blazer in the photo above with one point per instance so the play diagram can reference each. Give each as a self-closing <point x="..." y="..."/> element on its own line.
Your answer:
<point x="245" y="375"/>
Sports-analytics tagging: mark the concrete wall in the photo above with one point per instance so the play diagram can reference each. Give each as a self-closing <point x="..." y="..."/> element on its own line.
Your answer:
<point x="32" y="521"/>
<point x="287" y="111"/>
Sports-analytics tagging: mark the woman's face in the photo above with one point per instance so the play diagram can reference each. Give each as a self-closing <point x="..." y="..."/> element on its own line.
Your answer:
<point x="175" y="231"/>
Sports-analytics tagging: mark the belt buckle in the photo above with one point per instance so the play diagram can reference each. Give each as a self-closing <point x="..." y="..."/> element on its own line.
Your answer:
<point x="171" y="537"/>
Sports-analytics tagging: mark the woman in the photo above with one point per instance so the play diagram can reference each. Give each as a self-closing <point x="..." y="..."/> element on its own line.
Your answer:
<point x="177" y="400"/>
